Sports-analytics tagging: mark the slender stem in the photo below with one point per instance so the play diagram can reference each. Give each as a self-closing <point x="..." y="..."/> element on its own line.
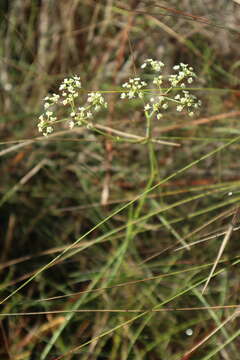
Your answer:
<point x="152" y="162"/>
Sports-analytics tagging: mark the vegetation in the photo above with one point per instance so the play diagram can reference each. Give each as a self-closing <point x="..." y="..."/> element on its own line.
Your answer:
<point x="119" y="229"/>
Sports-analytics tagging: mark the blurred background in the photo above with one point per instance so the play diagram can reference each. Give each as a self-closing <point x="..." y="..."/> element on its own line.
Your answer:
<point x="55" y="189"/>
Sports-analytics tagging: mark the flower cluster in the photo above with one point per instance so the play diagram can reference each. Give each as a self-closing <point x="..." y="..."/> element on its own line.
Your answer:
<point x="96" y="100"/>
<point x="184" y="72"/>
<point x="183" y="100"/>
<point x="154" y="64"/>
<point x="46" y="122"/>
<point x="70" y="89"/>
<point x="84" y="113"/>
<point x="51" y="100"/>
<point x="188" y="101"/>
<point x="134" y="88"/>
<point x="68" y="96"/>
<point x="158" y="80"/>
<point x="156" y="101"/>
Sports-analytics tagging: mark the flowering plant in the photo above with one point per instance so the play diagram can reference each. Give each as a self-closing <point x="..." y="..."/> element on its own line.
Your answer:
<point x="69" y="93"/>
<point x="183" y="100"/>
<point x="156" y="100"/>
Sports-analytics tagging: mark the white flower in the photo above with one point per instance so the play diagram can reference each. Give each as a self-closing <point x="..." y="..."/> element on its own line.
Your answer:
<point x="69" y="91"/>
<point x="71" y="124"/>
<point x="158" y="80"/>
<point x="62" y="87"/>
<point x="179" y="108"/>
<point x="49" y="130"/>
<point x="55" y="98"/>
<point x="183" y="72"/>
<point x="96" y="100"/>
<point x="131" y="94"/>
<point x="134" y="86"/>
<point x="147" y="107"/>
<point x="52" y="119"/>
<point x="46" y="105"/>
<point x="155" y="65"/>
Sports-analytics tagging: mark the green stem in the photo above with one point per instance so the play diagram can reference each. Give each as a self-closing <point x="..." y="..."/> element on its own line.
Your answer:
<point x="152" y="162"/>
